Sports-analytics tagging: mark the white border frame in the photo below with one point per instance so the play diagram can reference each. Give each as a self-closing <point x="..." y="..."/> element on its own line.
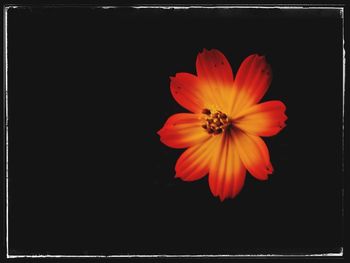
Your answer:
<point x="266" y="6"/>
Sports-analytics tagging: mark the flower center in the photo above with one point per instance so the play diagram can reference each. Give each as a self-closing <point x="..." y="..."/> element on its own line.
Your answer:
<point x="216" y="121"/>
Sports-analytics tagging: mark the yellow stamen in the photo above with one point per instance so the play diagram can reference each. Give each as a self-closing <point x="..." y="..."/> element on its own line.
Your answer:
<point x="216" y="121"/>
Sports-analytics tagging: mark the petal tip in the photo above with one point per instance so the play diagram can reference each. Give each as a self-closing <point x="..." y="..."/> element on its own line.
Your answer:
<point x="222" y="198"/>
<point x="252" y="56"/>
<point x="159" y="132"/>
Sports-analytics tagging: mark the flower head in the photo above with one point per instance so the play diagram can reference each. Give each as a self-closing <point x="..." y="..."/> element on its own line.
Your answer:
<point x="222" y="132"/>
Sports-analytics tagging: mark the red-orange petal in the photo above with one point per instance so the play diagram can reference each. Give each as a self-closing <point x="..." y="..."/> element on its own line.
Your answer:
<point x="253" y="153"/>
<point x="183" y="130"/>
<point x="214" y="71"/>
<point x="226" y="172"/>
<point x="264" y="119"/>
<point x="193" y="164"/>
<point x="252" y="81"/>
<point x="213" y="66"/>
<point x="186" y="90"/>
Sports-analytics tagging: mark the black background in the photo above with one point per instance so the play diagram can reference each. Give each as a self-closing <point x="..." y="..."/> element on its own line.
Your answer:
<point x="88" y="90"/>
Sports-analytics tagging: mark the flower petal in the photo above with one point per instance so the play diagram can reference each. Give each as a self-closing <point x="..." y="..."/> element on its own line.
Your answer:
<point x="215" y="73"/>
<point x="252" y="81"/>
<point x="253" y="153"/>
<point x="227" y="173"/>
<point x="264" y="119"/>
<point x="183" y="130"/>
<point x="193" y="164"/>
<point x="187" y="92"/>
<point x="213" y="66"/>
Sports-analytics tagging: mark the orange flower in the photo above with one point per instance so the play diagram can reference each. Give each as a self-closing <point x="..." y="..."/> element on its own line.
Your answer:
<point x="222" y="132"/>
